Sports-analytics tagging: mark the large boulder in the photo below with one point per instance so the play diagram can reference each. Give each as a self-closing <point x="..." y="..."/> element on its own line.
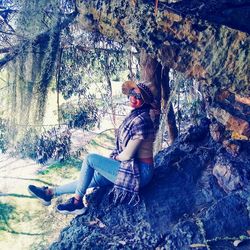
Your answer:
<point x="184" y="205"/>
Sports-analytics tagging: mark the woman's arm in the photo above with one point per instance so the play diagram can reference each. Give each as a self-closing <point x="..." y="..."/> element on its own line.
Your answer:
<point x="129" y="150"/>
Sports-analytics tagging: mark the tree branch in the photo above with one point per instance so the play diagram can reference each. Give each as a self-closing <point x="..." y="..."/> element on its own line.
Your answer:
<point x="7" y="49"/>
<point x="9" y="57"/>
<point x="13" y="53"/>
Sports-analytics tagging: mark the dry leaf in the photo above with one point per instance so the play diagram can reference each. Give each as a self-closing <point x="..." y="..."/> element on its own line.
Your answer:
<point x="237" y="242"/>
<point x="97" y="222"/>
<point x="198" y="245"/>
<point x="122" y="242"/>
<point x="92" y="222"/>
<point x="101" y="224"/>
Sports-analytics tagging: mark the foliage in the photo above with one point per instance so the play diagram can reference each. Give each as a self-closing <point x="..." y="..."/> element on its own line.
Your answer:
<point x="53" y="144"/>
<point x="89" y="65"/>
<point x="90" y="61"/>
<point x="82" y="114"/>
<point x="51" y="47"/>
<point x="188" y="99"/>
<point x="30" y="34"/>
<point x="3" y="136"/>
<point x="26" y="19"/>
<point x="67" y="169"/>
<point x="26" y="147"/>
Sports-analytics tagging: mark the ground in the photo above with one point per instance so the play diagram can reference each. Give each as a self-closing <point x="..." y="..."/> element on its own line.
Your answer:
<point x="31" y="225"/>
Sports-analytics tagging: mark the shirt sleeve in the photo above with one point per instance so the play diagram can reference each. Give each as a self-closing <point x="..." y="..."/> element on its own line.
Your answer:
<point x="129" y="151"/>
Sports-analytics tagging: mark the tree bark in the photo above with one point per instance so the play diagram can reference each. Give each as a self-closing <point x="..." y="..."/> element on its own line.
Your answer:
<point x="58" y="78"/>
<point x="110" y="91"/>
<point x="180" y="41"/>
<point x="168" y="107"/>
<point x="151" y="72"/>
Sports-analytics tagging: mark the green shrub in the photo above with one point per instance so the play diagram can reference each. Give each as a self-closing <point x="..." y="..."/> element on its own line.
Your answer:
<point x="80" y="115"/>
<point x="26" y="147"/>
<point x="53" y="144"/>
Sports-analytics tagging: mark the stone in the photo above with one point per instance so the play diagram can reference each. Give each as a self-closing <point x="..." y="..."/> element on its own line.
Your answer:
<point x="194" y="198"/>
<point x="227" y="175"/>
<point x="242" y="99"/>
<point x="216" y="131"/>
<point x="230" y="122"/>
<point x="232" y="147"/>
<point x="213" y="54"/>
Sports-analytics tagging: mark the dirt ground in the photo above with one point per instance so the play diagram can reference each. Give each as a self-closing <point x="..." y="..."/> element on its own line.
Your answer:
<point x="31" y="223"/>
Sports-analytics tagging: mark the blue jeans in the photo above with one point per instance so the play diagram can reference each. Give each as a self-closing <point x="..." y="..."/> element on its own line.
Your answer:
<point x="100" y="171"/>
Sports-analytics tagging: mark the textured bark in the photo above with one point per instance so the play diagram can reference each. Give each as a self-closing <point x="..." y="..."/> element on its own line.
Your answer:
<point x="232" y="13"/>
<point x="151" y="72"/>
<point x="168" y="107"/>
<point x="216" y="55"/>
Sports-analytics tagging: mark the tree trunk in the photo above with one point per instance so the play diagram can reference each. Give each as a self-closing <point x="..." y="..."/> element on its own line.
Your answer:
<point x="57" y="84"/>
<point x="110" y="91"/>
<point x="168" y="107"/>
<point x="151" y="72"/>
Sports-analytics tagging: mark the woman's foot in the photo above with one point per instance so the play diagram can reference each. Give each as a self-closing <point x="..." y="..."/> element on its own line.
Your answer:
<point x="72" y="206"/>
<point x="44" y="194"/>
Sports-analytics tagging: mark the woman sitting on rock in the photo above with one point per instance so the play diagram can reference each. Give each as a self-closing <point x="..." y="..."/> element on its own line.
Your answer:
<point x="130" y="165"/>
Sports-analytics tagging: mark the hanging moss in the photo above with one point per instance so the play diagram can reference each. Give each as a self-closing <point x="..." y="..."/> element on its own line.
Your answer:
<point x="33" y="69"/>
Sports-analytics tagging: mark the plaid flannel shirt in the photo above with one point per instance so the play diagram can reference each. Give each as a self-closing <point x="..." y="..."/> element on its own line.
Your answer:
<point x="137" y="125"/>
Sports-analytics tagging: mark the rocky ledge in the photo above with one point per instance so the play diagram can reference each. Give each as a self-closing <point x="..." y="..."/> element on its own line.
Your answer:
<point x="198" y="199"/>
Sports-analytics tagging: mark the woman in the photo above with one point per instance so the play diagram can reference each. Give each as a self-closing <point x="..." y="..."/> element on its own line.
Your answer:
<point x="130" y="165"/>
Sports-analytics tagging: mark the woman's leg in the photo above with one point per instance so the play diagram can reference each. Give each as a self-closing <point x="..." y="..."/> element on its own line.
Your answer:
<point x="88" y="174"/>
<point x="99" y="181"/>
<point x="68" y="188"/>
<point x="146" y="173"/>
<point x="109" y="170"/>
<point x="106" y="167"/>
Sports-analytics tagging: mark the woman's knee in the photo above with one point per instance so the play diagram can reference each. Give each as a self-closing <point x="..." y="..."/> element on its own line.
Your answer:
<point x="90" y="159"/>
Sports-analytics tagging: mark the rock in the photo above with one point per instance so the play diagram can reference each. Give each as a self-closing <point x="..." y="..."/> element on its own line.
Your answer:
<point x="230" y="121"/>
<point x="242" y="99"/>
<point x="198" y="133"/>
<point x="211" y="53"/>
<point x="231" y="174"/>
<point x="232" y="147"/>
<point x="195" y="197"/>
<point x="216" y="131"/>
<point x="182" y="236"/>
<point x="231" y="213"/>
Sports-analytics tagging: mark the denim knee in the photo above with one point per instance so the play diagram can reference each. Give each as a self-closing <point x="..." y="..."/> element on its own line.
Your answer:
<point x="90" y="159"/>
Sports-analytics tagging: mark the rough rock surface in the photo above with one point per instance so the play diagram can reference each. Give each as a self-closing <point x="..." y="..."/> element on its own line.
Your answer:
<point x="179" y="36"/>
<point x="189" y="201"/>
